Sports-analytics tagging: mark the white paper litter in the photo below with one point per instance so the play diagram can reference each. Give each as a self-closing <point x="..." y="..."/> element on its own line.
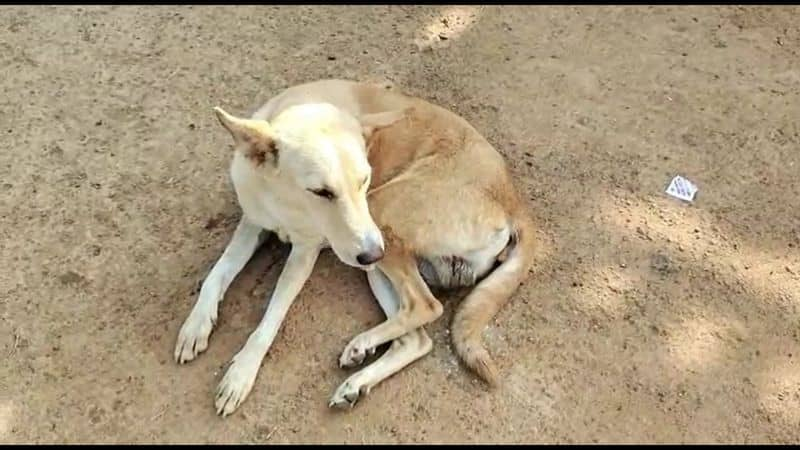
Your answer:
<point x="682" y="188"/>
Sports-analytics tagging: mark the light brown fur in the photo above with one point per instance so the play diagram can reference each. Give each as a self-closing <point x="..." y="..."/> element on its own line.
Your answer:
<point x="401" y="188"/>
<point x="437" y="180"/>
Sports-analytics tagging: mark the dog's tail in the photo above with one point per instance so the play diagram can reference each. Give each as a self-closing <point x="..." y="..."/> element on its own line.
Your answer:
<point x="488" y="296"/>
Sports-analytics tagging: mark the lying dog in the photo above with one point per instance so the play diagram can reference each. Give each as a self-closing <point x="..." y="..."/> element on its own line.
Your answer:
<point x="442" y="213"/>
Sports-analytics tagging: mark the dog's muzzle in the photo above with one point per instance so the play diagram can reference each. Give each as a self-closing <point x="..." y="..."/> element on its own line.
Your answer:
<point x="370" y="257"/>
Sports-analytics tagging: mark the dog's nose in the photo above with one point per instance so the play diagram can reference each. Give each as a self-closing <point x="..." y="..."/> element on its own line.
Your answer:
<point x="370" y="257"/>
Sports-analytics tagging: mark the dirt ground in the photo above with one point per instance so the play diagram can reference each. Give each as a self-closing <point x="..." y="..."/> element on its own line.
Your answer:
<point x="646" y="319"/>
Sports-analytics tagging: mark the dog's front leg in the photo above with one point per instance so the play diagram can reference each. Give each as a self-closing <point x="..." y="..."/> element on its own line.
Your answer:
<point x="193" y="336"/>
<point x="241" y="373"/>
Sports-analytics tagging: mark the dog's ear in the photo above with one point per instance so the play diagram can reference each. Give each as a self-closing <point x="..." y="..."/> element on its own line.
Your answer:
<point x="254" y="136"/>
<point x="373" y="122"/>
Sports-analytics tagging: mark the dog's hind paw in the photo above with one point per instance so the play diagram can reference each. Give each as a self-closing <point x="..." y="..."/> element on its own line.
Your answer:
<point x="347" y="395"/>
<point x="193" y="337"/>
<point x="356" y="352"/>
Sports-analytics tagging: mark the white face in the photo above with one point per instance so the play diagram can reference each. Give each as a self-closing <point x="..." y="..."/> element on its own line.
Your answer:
<point x="322" y="153"/>
<point x="318" y="154"/>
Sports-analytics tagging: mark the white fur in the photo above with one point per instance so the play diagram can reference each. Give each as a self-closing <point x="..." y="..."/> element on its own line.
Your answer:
<point x="193" y="337"/>
<point x="241" y="374"/>
<point x="319" y="146"/>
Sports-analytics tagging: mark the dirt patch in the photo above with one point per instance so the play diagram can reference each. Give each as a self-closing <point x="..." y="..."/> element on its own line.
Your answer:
<point x="646" y="319"/>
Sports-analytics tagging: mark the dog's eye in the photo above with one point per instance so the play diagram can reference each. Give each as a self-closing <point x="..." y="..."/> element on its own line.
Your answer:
<point x="365" y="182"/>
<point x="324" y="193"/>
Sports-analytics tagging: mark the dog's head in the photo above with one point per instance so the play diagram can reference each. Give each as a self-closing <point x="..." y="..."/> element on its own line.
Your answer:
<point x="318" y="154"/>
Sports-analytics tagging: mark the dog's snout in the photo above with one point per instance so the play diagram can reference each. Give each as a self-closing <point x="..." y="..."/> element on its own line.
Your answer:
<point x="370" y="257"/>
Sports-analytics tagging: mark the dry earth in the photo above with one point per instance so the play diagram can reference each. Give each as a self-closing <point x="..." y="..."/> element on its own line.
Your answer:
<point x="646" y="320"/>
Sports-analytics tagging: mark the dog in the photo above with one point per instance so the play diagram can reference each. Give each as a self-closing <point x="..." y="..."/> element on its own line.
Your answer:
<point x="403" y="189"/>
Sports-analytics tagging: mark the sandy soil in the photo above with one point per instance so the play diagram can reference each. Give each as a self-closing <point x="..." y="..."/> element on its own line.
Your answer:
<point x="646" y="320"/>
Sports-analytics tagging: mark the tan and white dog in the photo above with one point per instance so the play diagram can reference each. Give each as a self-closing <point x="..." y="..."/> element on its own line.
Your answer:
<point x="401" y="188"/>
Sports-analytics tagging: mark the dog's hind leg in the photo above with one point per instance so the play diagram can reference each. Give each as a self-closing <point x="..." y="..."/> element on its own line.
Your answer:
<point x="193" y="336"/>
<point x="402" y="352"/>
<point x="416" y="307"/>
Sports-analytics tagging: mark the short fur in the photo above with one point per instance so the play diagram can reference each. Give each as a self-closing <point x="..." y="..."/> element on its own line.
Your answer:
<point x="439" y="193"/>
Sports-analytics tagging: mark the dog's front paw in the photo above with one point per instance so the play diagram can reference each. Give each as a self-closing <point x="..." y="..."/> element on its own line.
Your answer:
<point x="348" y="394"/>
<point x="193" y="337"/>
<point x="236" y="384"/>
<point x="356" y="351"/>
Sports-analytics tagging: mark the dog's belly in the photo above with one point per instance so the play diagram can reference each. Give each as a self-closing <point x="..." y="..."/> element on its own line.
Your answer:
<point x="447" y="272"/>
<point x="456" y="271"/>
